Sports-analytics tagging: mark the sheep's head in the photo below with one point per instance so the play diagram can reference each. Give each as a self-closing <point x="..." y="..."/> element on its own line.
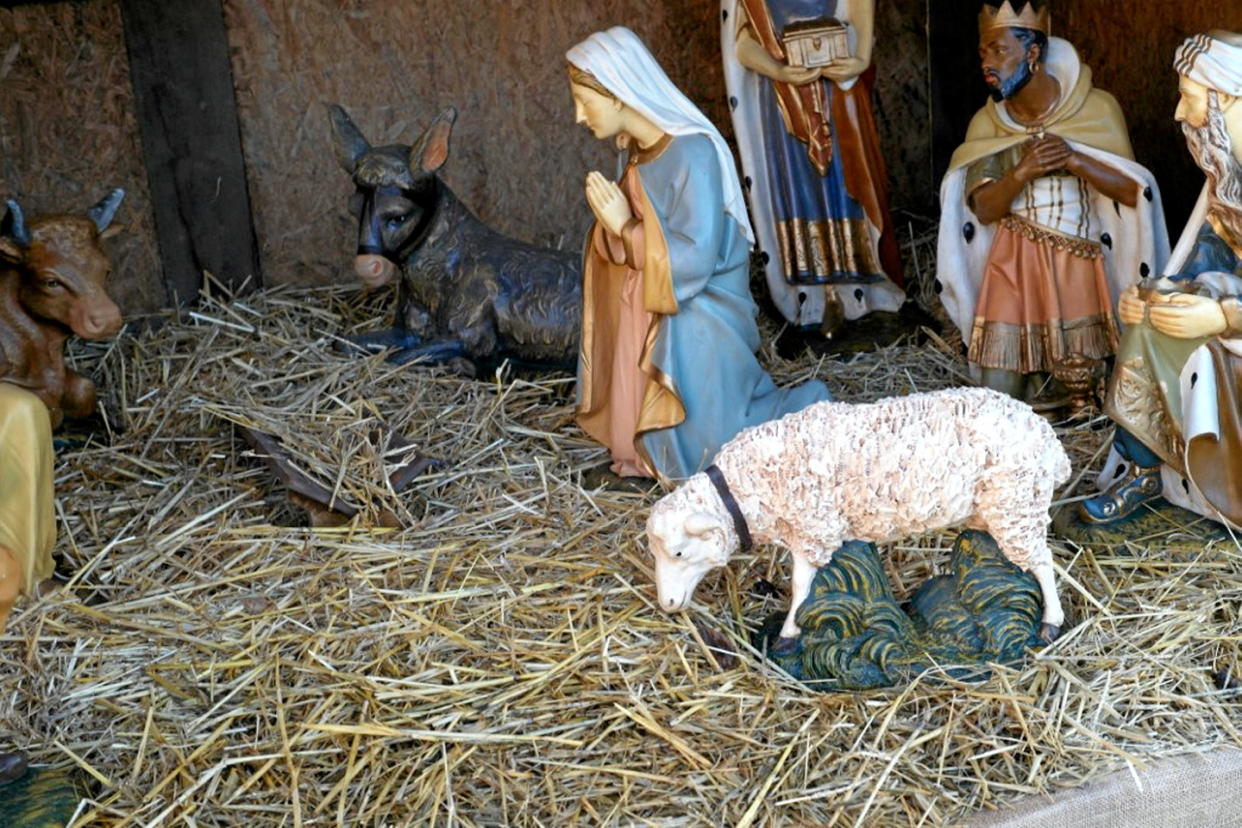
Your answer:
<point x="686" y="544"/>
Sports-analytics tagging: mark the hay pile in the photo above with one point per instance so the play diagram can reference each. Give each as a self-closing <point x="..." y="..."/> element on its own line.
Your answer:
<point x="503" y="662"/>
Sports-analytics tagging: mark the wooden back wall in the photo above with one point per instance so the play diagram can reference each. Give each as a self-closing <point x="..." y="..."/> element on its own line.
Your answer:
<point x="68" y="131"/>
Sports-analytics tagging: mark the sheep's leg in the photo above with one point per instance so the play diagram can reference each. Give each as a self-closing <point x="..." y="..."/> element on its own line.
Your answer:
<point x="1024" y="528"/>
<point x="803" y="573"/>
<point x="1054" y="615"/>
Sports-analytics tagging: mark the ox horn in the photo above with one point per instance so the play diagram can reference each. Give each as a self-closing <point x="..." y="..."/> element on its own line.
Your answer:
<point x="699" y="524"/>
<point x="351" y="144"/>
<point x="13" y="225"/>
<point x="103" y="212"/>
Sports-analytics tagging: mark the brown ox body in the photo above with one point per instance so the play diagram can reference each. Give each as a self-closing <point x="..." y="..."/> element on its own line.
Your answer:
<point x="53" y="278"/>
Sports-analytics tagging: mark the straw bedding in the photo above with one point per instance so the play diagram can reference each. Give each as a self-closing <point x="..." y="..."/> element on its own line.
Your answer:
<point x="502" y="661"/>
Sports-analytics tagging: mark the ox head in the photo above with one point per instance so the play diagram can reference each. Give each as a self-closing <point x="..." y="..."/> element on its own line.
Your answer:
<point x="397" y="192"/>
<point x="63" y="271"/>
<point x="686" y="546"/>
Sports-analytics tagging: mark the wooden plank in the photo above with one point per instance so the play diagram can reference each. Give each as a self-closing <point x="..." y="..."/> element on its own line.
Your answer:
<point x="957" y="87"/>
<point x="191" y="142"/>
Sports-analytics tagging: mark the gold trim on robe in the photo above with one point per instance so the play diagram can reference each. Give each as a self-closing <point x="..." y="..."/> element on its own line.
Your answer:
<point x="1040" y="301"/>
<point x="1080" y="247"/>
<point x="832" y="245"/>
<point x="661" y="405"/>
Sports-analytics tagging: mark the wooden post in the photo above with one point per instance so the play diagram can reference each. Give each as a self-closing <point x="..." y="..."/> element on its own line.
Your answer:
<point x="957" y="87"/>
<point x="191" y="142"/>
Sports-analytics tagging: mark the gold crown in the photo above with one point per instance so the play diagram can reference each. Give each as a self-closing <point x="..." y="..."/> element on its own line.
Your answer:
<point x="1005" y="17"/>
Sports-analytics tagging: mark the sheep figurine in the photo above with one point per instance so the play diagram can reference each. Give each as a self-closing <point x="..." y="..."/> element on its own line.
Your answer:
<point x="873" y="472"/>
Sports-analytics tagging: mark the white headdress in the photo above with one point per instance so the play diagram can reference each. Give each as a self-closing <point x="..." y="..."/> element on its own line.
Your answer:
<point x="619" y="60"/>
<point x="1213" y="60"/>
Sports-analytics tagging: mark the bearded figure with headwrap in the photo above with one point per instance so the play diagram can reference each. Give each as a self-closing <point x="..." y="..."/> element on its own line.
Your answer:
<point x="1176" y="391"/>
<point x="667" y="370"/>
<point x="1045" y="216"/>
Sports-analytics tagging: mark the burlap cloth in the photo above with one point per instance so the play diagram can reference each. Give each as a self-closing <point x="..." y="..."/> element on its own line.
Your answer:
<point x="1182" y="792"/>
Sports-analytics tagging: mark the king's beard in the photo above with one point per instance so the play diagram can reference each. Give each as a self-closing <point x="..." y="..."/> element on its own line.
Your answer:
<point x="1212" y="150"/>
<point x="1012" y="85"/>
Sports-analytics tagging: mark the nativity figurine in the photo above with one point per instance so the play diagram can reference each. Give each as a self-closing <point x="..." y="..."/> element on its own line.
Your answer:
<point x="667" y="371"/>
<point x="465" y="291"/>
<point x="52" y="284"/>
<point x="1045" y="216"/>
<point x="799" y="75"/>
<point x="875" y="472"/>
<point x="1175" y="388"/>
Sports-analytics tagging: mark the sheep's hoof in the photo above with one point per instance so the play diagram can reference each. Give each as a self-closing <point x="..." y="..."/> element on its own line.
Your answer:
<point x="784" y="645"/>
<point x="1049" y="633"/>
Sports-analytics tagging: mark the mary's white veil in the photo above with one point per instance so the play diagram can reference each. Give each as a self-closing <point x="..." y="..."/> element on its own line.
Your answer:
<point x="619" y="60"/>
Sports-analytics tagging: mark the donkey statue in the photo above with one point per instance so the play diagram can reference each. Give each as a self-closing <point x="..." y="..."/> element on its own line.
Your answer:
<point x="53" y="278"/>
<point x="466" y="290"/>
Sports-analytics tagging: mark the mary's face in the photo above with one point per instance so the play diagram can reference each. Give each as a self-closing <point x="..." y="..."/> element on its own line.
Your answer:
<point x="599" y="113"/>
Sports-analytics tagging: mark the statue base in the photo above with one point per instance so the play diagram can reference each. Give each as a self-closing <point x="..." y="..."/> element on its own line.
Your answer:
<point x="40" y="797"/>
<point x="878" y="329"/>
<point x="1154" y="518"/>
<point x="603" y="477"/>
<point x="855" y="635"/>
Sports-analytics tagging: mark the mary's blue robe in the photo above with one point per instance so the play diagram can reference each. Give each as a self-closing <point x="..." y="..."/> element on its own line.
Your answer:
<point x="703" y="383"/>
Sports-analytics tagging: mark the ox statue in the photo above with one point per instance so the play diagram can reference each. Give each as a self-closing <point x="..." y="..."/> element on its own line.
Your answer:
<point x="465" y="290"/>
<point x="52" y="284"/>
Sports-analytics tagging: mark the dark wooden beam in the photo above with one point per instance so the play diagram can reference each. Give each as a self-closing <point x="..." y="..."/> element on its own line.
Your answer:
<point x="957" y="87"/>
<point x="191" y="142"/>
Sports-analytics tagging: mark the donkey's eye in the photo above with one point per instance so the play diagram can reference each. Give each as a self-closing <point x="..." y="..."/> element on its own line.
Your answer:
<point x="51" y="284"/>
<point x="394" y="223"/>
<point x="677" y="554"/>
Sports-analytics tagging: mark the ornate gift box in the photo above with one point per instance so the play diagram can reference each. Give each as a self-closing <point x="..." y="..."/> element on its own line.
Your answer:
<point x="816" y="43"/>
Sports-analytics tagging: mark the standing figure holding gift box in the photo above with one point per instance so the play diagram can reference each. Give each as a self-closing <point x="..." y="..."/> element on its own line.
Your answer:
<point x="799" y="75"/>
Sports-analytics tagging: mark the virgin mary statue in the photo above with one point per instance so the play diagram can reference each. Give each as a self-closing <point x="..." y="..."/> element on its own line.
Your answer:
<point x="667" y="370"/>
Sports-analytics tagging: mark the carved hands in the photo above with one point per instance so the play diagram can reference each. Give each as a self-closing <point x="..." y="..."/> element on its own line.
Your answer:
<point x="1049" y="153"/>
<point x="609" y="204"/>
<point x="1130" y="306"/>
<point x="844" y="69"/>
<point x="1187" y="316"/>
<point x="797" y="75"/>
<point x="1043" y="156"/>
<point x="755" y="58"/>
<point x="1179" y="315"/>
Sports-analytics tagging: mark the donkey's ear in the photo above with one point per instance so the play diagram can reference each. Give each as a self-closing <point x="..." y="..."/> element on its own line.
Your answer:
<point x="431" y="151"/>
<point x="350" y="144"/>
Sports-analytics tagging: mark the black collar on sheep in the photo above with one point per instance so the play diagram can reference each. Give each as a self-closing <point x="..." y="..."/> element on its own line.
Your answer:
<point x="739" y="521"/>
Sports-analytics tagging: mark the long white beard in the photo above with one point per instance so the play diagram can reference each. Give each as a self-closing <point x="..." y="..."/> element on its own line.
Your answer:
<point x="1213" y="152"/>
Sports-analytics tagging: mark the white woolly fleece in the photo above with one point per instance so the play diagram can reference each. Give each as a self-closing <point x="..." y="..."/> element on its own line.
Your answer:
<point x="881" y="471"/>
